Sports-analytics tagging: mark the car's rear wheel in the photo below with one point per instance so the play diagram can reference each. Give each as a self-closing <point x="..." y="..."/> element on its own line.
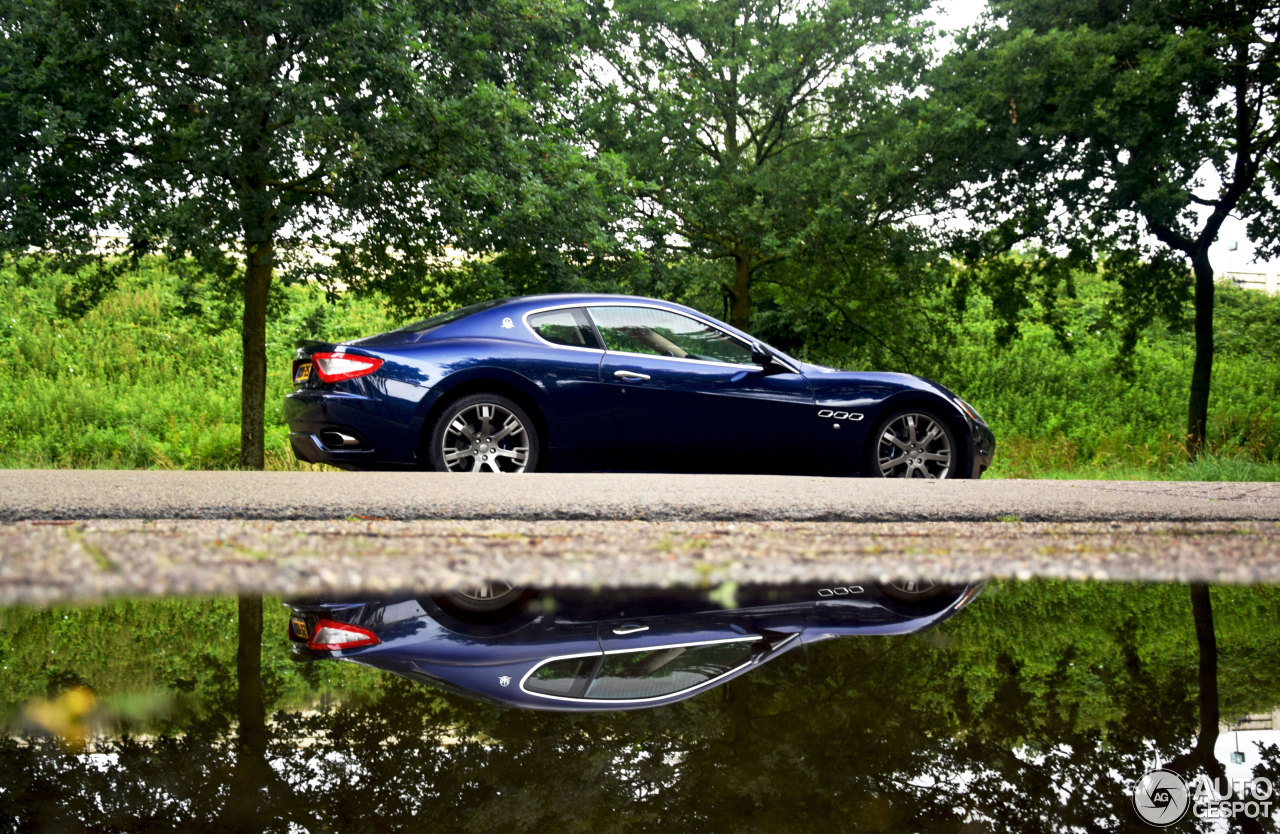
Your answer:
<point x="484" y="597"/>
<point x="484" y="433"/>
<point x="490" y="603"/>
<point x="913" y="443"/>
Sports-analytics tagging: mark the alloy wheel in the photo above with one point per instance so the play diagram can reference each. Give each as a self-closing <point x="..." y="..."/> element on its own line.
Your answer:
<point x="914" y="445"/>
<point x="485" y="437"/>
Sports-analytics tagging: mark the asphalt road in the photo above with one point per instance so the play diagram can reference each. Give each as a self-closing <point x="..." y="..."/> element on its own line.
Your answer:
<point x="99" y="494"/>
<point x="77" y="535"/>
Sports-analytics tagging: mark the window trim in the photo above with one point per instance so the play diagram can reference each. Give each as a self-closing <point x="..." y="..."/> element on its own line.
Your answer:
<point x="525" y="318"/>
<point x="630" y="650"/>
<point x="556" y="344"/>
<point x="586" y="308"/>
<point x="747" y="365"/>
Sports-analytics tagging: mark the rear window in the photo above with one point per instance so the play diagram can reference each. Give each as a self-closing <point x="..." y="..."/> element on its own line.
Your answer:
<point x="448" y="318"/>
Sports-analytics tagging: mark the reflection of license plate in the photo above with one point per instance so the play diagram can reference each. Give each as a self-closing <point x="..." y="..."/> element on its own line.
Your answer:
<point x="302" y="373"/>
<point x="297" y="628"/>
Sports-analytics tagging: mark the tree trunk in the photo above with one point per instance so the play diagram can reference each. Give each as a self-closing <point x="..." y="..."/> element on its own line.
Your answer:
<point x="1207" y="643"/>
<point x="250" y="772"/>
<point x="1202" y="367"/>
<point x="740" y="293"/>
<point x="1202" y="755"/>
<point x="253" y="343"/>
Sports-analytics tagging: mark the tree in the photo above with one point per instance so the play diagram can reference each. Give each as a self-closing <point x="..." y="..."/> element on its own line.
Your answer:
<point x="1137" y="128"/>
<point x="346" y="140"/>
<point x="760" y="127"/>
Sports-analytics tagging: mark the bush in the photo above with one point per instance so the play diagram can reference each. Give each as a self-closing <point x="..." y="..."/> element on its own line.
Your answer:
<point x="1082" y="410"/>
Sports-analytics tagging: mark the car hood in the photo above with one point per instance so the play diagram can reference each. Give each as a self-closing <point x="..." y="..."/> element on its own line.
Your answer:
<point x="860" y="390"/>
<point x="824" y="379"/>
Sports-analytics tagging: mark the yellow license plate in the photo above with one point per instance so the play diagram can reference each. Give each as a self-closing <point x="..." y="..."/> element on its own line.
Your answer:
<point x="302" y="373"/>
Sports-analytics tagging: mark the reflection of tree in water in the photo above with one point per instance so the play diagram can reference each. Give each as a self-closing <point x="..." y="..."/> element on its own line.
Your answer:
<point x="864" y="735"/>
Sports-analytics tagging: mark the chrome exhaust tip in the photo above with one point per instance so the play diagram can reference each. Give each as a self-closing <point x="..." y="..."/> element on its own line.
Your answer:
<point x="338" y="440"/>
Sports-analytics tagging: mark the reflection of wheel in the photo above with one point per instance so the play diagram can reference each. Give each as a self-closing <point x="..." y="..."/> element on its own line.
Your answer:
<point x="913" y="444"/>
<point x="484" y="433"/>
<point x="914" y="590"/>
<point x="485" y="604"/>
<point x="489" y="596"/>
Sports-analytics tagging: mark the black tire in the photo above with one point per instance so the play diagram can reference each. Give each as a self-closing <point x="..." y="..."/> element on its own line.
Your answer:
<point x="486" y="604"/>
<point x="915" y="590"/>
<point x="919" y="598"/>
<point x="913" y="443"/>
<point x="460" y="442"/>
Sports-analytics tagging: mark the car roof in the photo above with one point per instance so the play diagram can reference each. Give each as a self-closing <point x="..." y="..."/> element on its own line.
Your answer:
<point x="548" y="299"/>
<point x="521" y="305"/>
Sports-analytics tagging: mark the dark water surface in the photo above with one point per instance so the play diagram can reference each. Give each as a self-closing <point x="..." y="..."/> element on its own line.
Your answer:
<point x="1036" y="708"/>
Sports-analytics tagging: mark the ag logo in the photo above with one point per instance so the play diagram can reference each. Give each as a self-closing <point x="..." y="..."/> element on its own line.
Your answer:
<point x="505" y="680"/>
<point x="1161" y="798"/>
<point x="507" y="324"/>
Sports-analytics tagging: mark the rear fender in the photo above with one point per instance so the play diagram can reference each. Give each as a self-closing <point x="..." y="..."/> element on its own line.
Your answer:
<point x="474" y="380"/>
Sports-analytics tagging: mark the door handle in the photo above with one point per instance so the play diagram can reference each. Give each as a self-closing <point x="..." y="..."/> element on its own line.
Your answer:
<point x="631" y="376"/>
<point x="629" y="629"/>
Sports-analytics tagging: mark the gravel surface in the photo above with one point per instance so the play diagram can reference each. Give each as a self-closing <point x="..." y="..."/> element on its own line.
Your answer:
<point x="48" y="562"/>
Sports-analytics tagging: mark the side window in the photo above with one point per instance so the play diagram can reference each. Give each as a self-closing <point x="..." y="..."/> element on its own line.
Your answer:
<point x="658" y="672"/>
<point x="664" y="333"/>
<point x="562" y="677"/>
<point x="565" y="327"/>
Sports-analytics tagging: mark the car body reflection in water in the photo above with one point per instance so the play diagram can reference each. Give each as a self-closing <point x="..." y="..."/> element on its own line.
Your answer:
<point x="578" y="651"/>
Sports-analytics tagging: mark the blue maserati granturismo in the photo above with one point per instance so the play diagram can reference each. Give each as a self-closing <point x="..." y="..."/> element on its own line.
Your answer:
<point x="574" y="382"/>
<point x="578" y="651"/>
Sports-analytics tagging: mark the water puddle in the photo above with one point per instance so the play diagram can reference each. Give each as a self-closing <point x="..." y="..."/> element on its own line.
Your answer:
<point x="1014" y="706"/>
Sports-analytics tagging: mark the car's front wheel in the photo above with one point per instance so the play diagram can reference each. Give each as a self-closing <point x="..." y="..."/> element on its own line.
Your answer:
<point x="913" y="443"/>
<point x="484" y="433"/>
<point x="914" y="590"/>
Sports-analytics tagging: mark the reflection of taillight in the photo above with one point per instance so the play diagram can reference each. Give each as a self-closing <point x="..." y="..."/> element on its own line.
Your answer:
<point x="330" y="635"/>
<point x="333" y="367"/>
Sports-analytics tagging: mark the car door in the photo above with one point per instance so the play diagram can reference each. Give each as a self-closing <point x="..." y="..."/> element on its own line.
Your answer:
<point x="577" y="409"/>
<point x="686" y="393"/>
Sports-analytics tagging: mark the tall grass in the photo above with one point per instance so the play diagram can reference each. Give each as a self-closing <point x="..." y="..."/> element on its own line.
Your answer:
<point x="149" y="377"/>
<point x="1077" y="411"/>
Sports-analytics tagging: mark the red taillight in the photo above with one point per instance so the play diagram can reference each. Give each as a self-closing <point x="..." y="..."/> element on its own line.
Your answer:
<point x="330" y="635"/>
<point x="333" y="367"/>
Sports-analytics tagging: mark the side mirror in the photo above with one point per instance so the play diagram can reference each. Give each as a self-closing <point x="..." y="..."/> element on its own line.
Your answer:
<point x="762" y="356"/>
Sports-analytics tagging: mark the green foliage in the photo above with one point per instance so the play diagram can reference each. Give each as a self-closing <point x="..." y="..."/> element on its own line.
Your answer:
<point x="149" y="378"/>
<point x="252" y="135"/>
<point x="761" y="132"/>
<point x="1096" y="407"/>
<point x="175" y="655"/>
<point x="1133" y="128"/>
